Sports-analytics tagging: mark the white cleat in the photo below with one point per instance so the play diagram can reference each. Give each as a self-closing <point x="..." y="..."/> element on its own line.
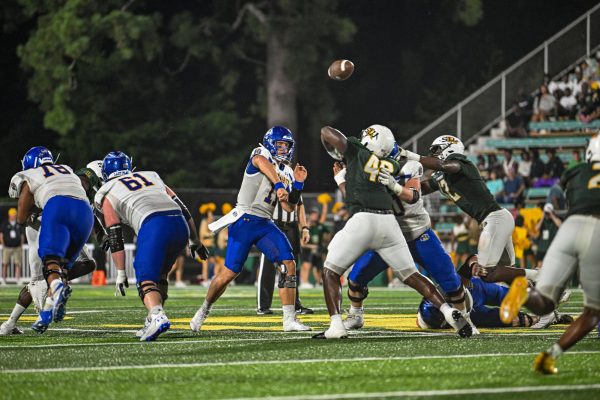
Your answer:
<point x="159" y="324"/>
<point x="458" y="322"/>
<point x="473" y="327"/>
<point x="354" y="321"/>
<point x="564" y="297"/>
<point x="545" y="321"/>
<point x="8" y="328"/>
<point x="198" y="320"/>
<point x="332" y="334"/>
<point x="180" y="285"/>
<point x="293" y="325"/>
<point x="141" y="332"/>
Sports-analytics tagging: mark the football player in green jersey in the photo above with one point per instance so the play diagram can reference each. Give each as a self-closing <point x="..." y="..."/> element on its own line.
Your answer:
<point x="459" y="180"/>
<point x="372" y="225"/>
<point x="574" y="249"/>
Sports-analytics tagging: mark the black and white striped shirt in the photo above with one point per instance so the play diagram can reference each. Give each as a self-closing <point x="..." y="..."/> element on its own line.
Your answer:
<point x="280" y="216"/>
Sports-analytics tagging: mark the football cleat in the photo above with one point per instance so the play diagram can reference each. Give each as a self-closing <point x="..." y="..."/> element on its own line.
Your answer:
<point x="514" y="300"/>
<point x="467" y="316"/>
<point x="545" y="321"/>
<point x="458" y="322"/>
<point x="293" y="325"/>
<point x="545" y="364"/>
<point x="158" y="324"/>
<point x="564" y="297"/>
<point x="354" y="321"/>
<point x="198" y="320"/>
<point x="141" y="332"/>
<point x="8" y="328"/>
<point x="332" y="334"/>
<point x="564" y="319"/>
<point x="60" y="297"/>
<point x="304" y="310"/>
<point x="264" y="311"/>
<point x="42" y="322"/>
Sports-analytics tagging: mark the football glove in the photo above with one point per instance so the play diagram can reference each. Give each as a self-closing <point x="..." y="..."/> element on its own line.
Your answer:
<point x="387" y="180"/>
<point x="105" y="244"/>
<point x="198" y="250"/>
<point x="121" y="283"/>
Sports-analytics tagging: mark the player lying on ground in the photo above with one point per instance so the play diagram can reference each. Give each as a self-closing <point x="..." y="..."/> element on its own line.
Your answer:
<point x="265" y="183"/>
<point x="459" y="180"/>
<point x="574" y="249"/>
<point x="67" y="221"/>
<point x="424" y="245"/>
<point x="163" y="226"/>
<point x="372" y="225"/>
<point x="485" y="297"/>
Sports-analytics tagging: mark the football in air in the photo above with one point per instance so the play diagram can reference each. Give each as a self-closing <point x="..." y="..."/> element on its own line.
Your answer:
<point x="340" y="70"/>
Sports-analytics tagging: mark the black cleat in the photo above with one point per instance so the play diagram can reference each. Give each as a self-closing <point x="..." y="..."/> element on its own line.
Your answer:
<point x="466" y="331"/>
<point x="264" y="311"/>
<point x="304" y="310"/>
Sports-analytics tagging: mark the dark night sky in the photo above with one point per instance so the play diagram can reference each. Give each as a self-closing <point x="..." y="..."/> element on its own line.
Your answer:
<point x="400" y="49"/>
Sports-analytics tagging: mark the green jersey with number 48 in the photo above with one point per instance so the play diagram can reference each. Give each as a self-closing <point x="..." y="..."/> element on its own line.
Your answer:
<point x="363" y="190"/>
<point x="582" y="185"/>
<point x="465" y="188"/>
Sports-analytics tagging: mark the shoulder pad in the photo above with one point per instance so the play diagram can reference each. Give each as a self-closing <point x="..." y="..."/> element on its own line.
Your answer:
<point x="262" y="151"/>
<point x="101" y="194"/>
<point x="16" y="183"/>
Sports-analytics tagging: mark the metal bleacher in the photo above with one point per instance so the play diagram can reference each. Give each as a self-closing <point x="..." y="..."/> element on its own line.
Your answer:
<point x="538" y="142"/>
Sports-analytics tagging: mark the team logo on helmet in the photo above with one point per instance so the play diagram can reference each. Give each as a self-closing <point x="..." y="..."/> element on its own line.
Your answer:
<point x="370" y="132"/>
<point x="450" y="139"/>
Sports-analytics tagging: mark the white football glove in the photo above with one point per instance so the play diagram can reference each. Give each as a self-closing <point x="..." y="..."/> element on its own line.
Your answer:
<point x="409" y="155"/>
<point x="387" y="180"/>
<point x="121" y="283"/>
<point x="340" y="177"/>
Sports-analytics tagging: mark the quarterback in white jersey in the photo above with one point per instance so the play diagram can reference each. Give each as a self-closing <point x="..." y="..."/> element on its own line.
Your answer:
<point x="67" y="221"/>
<point x="160" y="221"/>
<point x="265" y="182"/>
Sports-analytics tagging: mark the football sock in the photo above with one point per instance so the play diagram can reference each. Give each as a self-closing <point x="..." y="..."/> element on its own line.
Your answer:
<point x="531" y="274"/>
<point x="156" y="310"/>
<point x="54" y="285"/>
<point x="444" y="307"/>
<point x="289" y="311"/>
<point x="206" y="306"/>
<point x="356" y="310"/>
<point x="336" y="322"/>
<point x="48" y="304"/>
<point x="555" y="351"/>
<point x="16" y="313"/>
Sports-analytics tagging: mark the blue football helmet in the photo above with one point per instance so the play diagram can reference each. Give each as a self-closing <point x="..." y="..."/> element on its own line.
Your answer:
<point x="116" y="163"/>
<point x="36" y="156"/>
<point x="395" y="152"/>
<point x="279" y="134"/>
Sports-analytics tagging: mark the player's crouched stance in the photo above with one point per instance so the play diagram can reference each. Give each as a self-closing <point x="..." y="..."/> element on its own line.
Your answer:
<point x="573" y="249"/>
<point x="142" y="201"/>
<point x="372" y="225"/>
<point x="65" y="228"/>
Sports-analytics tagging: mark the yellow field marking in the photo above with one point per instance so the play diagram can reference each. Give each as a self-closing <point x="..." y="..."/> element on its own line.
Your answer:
<point x="30" y="318"/>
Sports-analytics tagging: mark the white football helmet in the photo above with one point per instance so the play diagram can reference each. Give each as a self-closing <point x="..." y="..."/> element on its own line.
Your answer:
<point x="592" y="153"/>
<point x="379" y="139"/>
<point x="96" y="166"/>
<point x="445" y="145"/>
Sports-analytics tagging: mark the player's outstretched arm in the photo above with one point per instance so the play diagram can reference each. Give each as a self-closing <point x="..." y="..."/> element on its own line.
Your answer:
<point x="334" y="141"/>
<point x="434" y="163"/>
<point x="25" y="204"/>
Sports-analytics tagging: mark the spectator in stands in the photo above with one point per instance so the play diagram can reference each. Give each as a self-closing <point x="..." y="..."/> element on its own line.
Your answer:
<point x="509" y="162"/>
<point x="556" y="197"/>
<point x="554" y="166"/>
<point x="482" y="166"/>
<point x="590" y="102"/>
<point x="524" y="167"/>
<point x="586" y="71"/>
<point x="575" y="160"/>
<point x="514" y="188"/>
<point x="546" y="229"/>
<point x="516" y="122"/>
<point x="525" y="104"/>
<point x="537" y="166"/>
<point x="544" y="105"/>
<point x="495" y="185"/>
<point x="520" y="241"/>
<point x="494" y="164"/>
<point x="567" y="105"/>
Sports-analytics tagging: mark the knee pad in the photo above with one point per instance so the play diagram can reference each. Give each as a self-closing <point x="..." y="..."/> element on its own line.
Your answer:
<point x="145" y="288"/>
<point x="163" y="287"/>
<point x="363" y="290"/>
<point x="81" y="268"/>
<point x="287" y="281"/>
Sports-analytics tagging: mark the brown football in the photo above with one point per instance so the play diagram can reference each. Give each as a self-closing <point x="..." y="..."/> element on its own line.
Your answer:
<point x="340" y="70"/>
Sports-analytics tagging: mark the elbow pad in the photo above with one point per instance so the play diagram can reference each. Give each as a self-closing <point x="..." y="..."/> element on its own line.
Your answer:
<point x="184" y="209"/>
<point x="416" y="196"/>
<point x="115" y="238"/>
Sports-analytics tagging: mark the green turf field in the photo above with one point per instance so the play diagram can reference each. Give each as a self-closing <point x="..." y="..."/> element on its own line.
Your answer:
<point x="93" y="354"/>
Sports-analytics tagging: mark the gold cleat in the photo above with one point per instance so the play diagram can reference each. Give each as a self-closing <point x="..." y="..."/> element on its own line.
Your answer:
<point x="514" y="300"/>
<point x="545" y="364"/>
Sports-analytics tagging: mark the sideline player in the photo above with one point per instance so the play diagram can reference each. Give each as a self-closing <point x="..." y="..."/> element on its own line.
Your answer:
<point x="459" y="180"/>
<point x="424" y="245"/>
<point x="372" y="225"/>
<point x="250" y="223"/>
<point x="162" y="224"/>
<point x="67" y="219"/>
<point x="574" y="249"/>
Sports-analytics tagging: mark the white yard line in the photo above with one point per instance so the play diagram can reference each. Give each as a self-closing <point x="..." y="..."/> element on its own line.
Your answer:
<point x="433" y="393"/>
<point x="274" y="362"/>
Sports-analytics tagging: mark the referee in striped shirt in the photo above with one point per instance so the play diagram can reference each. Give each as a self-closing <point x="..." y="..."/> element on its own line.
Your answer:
<point x="293" y="225"/>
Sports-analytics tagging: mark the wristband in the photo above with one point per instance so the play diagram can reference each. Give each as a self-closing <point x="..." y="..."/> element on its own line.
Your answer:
<point x="340" y="177"/>
<point x="305" y="227"/>
<point x="412" y="156"/>
<point x="278" y="186"/>
<point x="298" y="185"/>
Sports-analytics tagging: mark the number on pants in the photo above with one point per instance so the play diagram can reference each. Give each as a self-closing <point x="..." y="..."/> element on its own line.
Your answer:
<point x="374" y="164"/>
<point x="135" y="184"/>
